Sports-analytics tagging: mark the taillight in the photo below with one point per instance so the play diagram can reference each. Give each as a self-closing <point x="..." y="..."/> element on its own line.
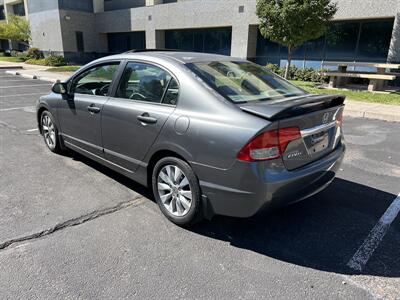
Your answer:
<point x="339" y="118"/>
<point x="269" y="145"/>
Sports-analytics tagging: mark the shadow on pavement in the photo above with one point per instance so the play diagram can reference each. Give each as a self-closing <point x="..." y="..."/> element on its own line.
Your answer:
<point x="322" y="232"/>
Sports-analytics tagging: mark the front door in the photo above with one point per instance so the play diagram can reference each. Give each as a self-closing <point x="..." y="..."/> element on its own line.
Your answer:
<point x="80" y="113"/>
<point x="131" y="121"/>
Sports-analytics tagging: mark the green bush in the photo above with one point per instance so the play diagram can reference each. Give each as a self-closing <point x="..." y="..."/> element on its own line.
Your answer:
<point x="14" y="53"/>
<point x="20" y="55"/>
<point x="32" y="61"/>
<point x="55" y="61"/>
<point x="34" y="53"/>
<point x="306" y="74"/>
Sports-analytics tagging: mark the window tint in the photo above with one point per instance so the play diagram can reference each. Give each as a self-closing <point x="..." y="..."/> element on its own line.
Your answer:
<point x="143" y="82"/>
<point x="244" y="81"/>
<point x="95" y="81"/>
<point x="79" y="41"/>
<point x="171" y="95"/>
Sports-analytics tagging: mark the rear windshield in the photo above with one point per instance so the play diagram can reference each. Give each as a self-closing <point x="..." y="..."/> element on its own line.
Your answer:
<point x="244" y="81"/>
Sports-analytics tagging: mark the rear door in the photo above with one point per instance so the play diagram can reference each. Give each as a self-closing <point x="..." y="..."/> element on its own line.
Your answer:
<point x="132" y="119"/>
<point x="80" y="112"/>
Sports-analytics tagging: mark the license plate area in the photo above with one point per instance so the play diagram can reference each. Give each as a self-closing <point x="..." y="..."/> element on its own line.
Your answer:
<point x="317" y="142"/>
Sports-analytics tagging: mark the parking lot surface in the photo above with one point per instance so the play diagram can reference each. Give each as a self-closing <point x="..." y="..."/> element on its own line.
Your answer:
<point x="70" y="228"/>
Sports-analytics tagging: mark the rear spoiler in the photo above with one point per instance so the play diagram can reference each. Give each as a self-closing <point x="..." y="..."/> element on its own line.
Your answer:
<point x="290" y="107"/>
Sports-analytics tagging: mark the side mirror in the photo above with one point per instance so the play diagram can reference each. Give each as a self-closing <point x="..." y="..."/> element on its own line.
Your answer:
<point x="59" y="88"/>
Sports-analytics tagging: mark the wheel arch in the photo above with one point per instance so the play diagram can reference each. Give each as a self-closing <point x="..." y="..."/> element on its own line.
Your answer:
<point x="158" y="155"/>
<point x="40" y="110"/>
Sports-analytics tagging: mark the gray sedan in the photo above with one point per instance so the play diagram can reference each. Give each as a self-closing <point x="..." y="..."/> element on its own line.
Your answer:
<point x="210" y="134"/>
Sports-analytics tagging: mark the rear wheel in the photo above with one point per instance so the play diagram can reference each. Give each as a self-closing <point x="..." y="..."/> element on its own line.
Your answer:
<point x="50" y="131"/>
<point x="177" y="191"/>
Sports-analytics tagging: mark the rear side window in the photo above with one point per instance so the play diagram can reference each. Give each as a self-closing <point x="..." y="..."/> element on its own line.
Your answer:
<point x="145" y="82"/>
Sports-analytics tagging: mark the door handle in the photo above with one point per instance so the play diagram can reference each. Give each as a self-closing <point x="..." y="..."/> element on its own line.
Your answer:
<point x="145" y="118"/>
<point x="93" y="109"/>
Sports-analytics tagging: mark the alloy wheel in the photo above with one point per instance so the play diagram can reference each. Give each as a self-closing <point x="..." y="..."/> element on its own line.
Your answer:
<point x="49" y="132"/>
<point x="174" y="190"/>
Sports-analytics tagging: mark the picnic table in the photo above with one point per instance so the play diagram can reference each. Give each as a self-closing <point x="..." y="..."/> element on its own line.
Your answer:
<point x="376" y="79"/>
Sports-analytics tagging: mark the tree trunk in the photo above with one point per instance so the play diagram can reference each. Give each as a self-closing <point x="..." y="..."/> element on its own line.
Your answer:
<point x="289" y="61"/>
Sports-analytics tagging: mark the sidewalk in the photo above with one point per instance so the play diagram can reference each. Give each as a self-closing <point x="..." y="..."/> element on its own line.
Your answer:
<point x="355" y="109"/>
<point x="34" y="72"/>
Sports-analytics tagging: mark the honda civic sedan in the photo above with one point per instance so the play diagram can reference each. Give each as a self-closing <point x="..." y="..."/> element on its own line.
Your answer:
<point x="210" y="134"/>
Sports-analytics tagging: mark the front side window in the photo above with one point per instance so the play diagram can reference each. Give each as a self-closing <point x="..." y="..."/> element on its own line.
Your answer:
<point x="95" y="81"/>
<point x="144" y="82"/>
<point x="244" y="81"/>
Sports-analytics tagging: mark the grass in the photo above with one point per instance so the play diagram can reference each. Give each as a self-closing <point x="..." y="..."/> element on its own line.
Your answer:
<point x="64" y="69"/>
<point x="11" y="59"/>
<point x="364" y="96"/>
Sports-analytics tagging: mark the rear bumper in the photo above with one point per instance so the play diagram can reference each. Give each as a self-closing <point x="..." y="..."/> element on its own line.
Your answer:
<point x="246" y="188"/>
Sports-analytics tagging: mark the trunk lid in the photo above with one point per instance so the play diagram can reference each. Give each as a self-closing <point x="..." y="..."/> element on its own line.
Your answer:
<point x="318" y="118"/>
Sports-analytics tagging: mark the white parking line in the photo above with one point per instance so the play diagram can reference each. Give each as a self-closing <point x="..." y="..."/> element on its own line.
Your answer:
<point x="361" y="257"/>
<point x="25" y="80"/>
<point x="32" y="130"/>
<point x="16" y="108"/>
<point x="23" y="86"/>
<point x="17" y="95"/>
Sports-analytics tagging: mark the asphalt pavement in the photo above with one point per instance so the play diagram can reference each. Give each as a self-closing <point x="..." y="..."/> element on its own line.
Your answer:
<point x="70" y="228"/>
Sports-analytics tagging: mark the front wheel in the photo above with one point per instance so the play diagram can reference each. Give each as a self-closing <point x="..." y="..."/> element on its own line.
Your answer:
<point x="50" y="132"/>
<point x="177" y="191"/>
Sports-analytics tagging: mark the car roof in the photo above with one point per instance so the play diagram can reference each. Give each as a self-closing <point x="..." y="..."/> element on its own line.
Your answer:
<point x="176" y="56"/>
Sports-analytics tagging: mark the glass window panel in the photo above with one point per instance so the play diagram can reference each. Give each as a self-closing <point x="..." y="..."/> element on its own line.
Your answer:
<point x="244" y="81"/>
<point x="313" y="64"/>
<point x="19" y="9"/>
<point x="315" y="49"/>
<point x="341" y="41"/>
<point x="95" y="81"/>
<point x="210" y="40"/>
<point x="375" y="40"/>
<point x="171" y="95"/>
<point x="125" y="41"/>
<point x="143" y="82"/>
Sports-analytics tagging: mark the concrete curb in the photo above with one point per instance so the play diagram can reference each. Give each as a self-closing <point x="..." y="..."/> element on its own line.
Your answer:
<point x="355" y="109"/>
<point x="10" y="67"/>
<point x="32" y="76"/>
<point x="384" y="112"/>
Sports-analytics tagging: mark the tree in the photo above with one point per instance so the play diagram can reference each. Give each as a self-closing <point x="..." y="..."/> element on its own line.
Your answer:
<point x="17" y="28"/>
<point x="293" y="22"/>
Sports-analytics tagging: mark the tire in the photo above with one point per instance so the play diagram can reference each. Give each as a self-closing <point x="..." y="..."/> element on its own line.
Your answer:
<point x="50" y="132"/>
<point x="173" y="192"/>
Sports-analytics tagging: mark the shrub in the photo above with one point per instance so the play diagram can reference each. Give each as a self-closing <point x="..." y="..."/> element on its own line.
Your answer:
<point x="55" y="61"/>
<point x="34" y="53"/>
<point x="18" y="54"/>
<point x="36" y="61"/>
<point x="306" y="74"/>
<point x="15" y="53"/>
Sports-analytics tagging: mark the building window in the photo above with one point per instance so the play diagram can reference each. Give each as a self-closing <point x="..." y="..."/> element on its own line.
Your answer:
<point x="19" y="9"/>
<point x="2" y="14"/>
<point x="79" y="41"/>
<point x="125" y="41"/>
<point x="209" y="40"/>
<point x="79" y="5"/>
<point x="362" y="40"/>
<point x="122" y="4"/>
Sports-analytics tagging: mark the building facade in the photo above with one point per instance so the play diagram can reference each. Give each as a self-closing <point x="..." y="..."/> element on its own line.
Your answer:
<point x="81" y="30"/>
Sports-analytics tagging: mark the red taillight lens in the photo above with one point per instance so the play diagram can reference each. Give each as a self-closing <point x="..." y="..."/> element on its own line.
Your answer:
<point x="269" y="145"/>
<point x="339" y="118"/>
<point x="286" y="135"/>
